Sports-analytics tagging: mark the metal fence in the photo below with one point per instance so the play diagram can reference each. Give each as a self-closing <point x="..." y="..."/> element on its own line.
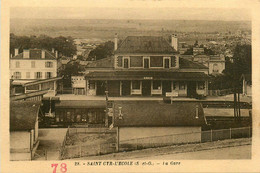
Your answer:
<point x="185" y="138"/>
<point x="84" y="150"/>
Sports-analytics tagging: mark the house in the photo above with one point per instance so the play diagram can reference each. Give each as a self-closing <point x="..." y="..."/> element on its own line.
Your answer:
<point x="23" y="129"/>
<point x="147" y="66"/>
<point x="247" y="84"/>
<point x="34" y="70"/>
<point x="152" y="123"/>
<point x="215" y="63"/>
<point x="78" y="85"/>
<point x="198" y="50"/>
<point x="33" y="64"/>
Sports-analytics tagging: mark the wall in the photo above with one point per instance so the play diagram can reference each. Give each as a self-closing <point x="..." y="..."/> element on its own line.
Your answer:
<point x="25" y="66"/>
<point x="221" y="66"/>
<point x="20" y="156"/>
<point x="131" y="133"/>
<point x="20" y="145"/>
<point x="155" y="61"/>
<point x="78" y="82"/>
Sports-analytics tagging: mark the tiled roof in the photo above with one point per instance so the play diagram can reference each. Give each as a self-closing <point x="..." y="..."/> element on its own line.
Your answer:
<point x="23" y="115"/>
<point x="36" y="54"/>
<point x="140" y="75"/>
<point x="145" y="44"/>
<point x="188" y="64"/>
<point x="155" y="113"/>
<point x="102" y="63"/>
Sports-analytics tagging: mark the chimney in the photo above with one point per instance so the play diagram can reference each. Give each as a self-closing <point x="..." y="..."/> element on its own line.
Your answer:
<point x="53" y="50"/>
<point x="56" y="54"/>
<point x="16" y="52"/>
<point x="174" y="42"/>
<point x="115" y="46"/>
<point x="43" y="54"/>
<point x="26" y="53"/>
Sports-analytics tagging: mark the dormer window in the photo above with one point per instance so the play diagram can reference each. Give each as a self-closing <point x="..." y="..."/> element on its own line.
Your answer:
<point x="126" y="62"/>
<point x="166" y="62"/>
<point x="146" y="62"/>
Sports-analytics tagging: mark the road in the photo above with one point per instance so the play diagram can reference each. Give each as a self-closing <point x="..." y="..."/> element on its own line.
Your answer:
<point x="238" y="152"/>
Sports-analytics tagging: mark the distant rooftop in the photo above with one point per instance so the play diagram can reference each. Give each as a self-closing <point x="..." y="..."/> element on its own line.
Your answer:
<point x="36" y="54"/>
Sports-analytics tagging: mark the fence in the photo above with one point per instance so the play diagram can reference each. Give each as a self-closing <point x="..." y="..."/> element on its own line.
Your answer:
<point x="185" y="138"/>
<point x="47" y="154"/>
<point x="84" y="150"/>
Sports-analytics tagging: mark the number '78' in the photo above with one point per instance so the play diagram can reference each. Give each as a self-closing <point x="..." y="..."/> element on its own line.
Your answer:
<point x="63" y="167"/>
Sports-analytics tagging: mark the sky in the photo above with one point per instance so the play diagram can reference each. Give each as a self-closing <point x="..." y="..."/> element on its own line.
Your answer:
<point x="165" y="13"/>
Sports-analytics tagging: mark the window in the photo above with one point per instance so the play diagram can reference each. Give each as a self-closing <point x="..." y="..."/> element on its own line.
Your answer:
<point x="215" y="68"/>
<point x="33" y="87"/>
<point x="48" y="75"/>
<point x="201" y="85"/>
<point x="48" y="64"/>
<point x="17" y="64"/>
<point x="33" y="64"/>
<point x="28" y="75"/>
<point x="136" y="85"/>
<point x="126" y="63"/>
<point x="166" y="63"/>
<point x="174" y="85"/>
<point x="182" y="86"/>
<point x="91" y="117"/>
<point x="91" y="84"/>
<point x="84" y="118"/>
<point x="156" y="85"/>
<point x="68" y="117"/>
<point x="146" y="63"/>
<point x="173" y="61"/>
<point x="38" y="75"/>
<point x="17" y="75"/>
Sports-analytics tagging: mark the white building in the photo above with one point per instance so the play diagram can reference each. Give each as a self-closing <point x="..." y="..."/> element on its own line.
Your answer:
<point x="33" y="64"/>
<point x="34" y="70"/>
<point x="78" y="85"/>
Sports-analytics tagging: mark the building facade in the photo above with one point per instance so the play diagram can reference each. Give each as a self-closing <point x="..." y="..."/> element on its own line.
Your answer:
<point x="148" y="66"/>
<point x="33" y="64"/>
<point x="34" y="70"/>
<point x="215" y="63"/>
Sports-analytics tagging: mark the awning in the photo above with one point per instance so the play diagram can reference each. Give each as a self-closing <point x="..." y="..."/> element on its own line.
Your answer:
<point x="42" y="81"/>
<point x="146" y="75"/>
<point x="81" y="104"/>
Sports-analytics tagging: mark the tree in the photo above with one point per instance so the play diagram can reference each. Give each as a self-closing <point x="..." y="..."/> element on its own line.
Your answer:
<point x="63" y="45"/>
<point x="71" y="69"/>
<point x="102" y="51"/>
<point x="189" y="51"/>
<point x="208" y="51"/>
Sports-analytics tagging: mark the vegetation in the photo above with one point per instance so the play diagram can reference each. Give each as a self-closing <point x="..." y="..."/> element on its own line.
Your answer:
<point x="241" y="63"/>
<point x="63" y="45"/>
<point x="71" y="69"/>
<point x="102" y="51"/>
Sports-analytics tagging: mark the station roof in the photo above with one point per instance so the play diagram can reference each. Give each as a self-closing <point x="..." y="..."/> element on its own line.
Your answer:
<point x="157" y="114"/>
<point x="81" y="104"/>
<point x="145" y="44"/>
<point x="23" y="115"/>
<point x="146" y="75"/>
<point x="36" y="54"/>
